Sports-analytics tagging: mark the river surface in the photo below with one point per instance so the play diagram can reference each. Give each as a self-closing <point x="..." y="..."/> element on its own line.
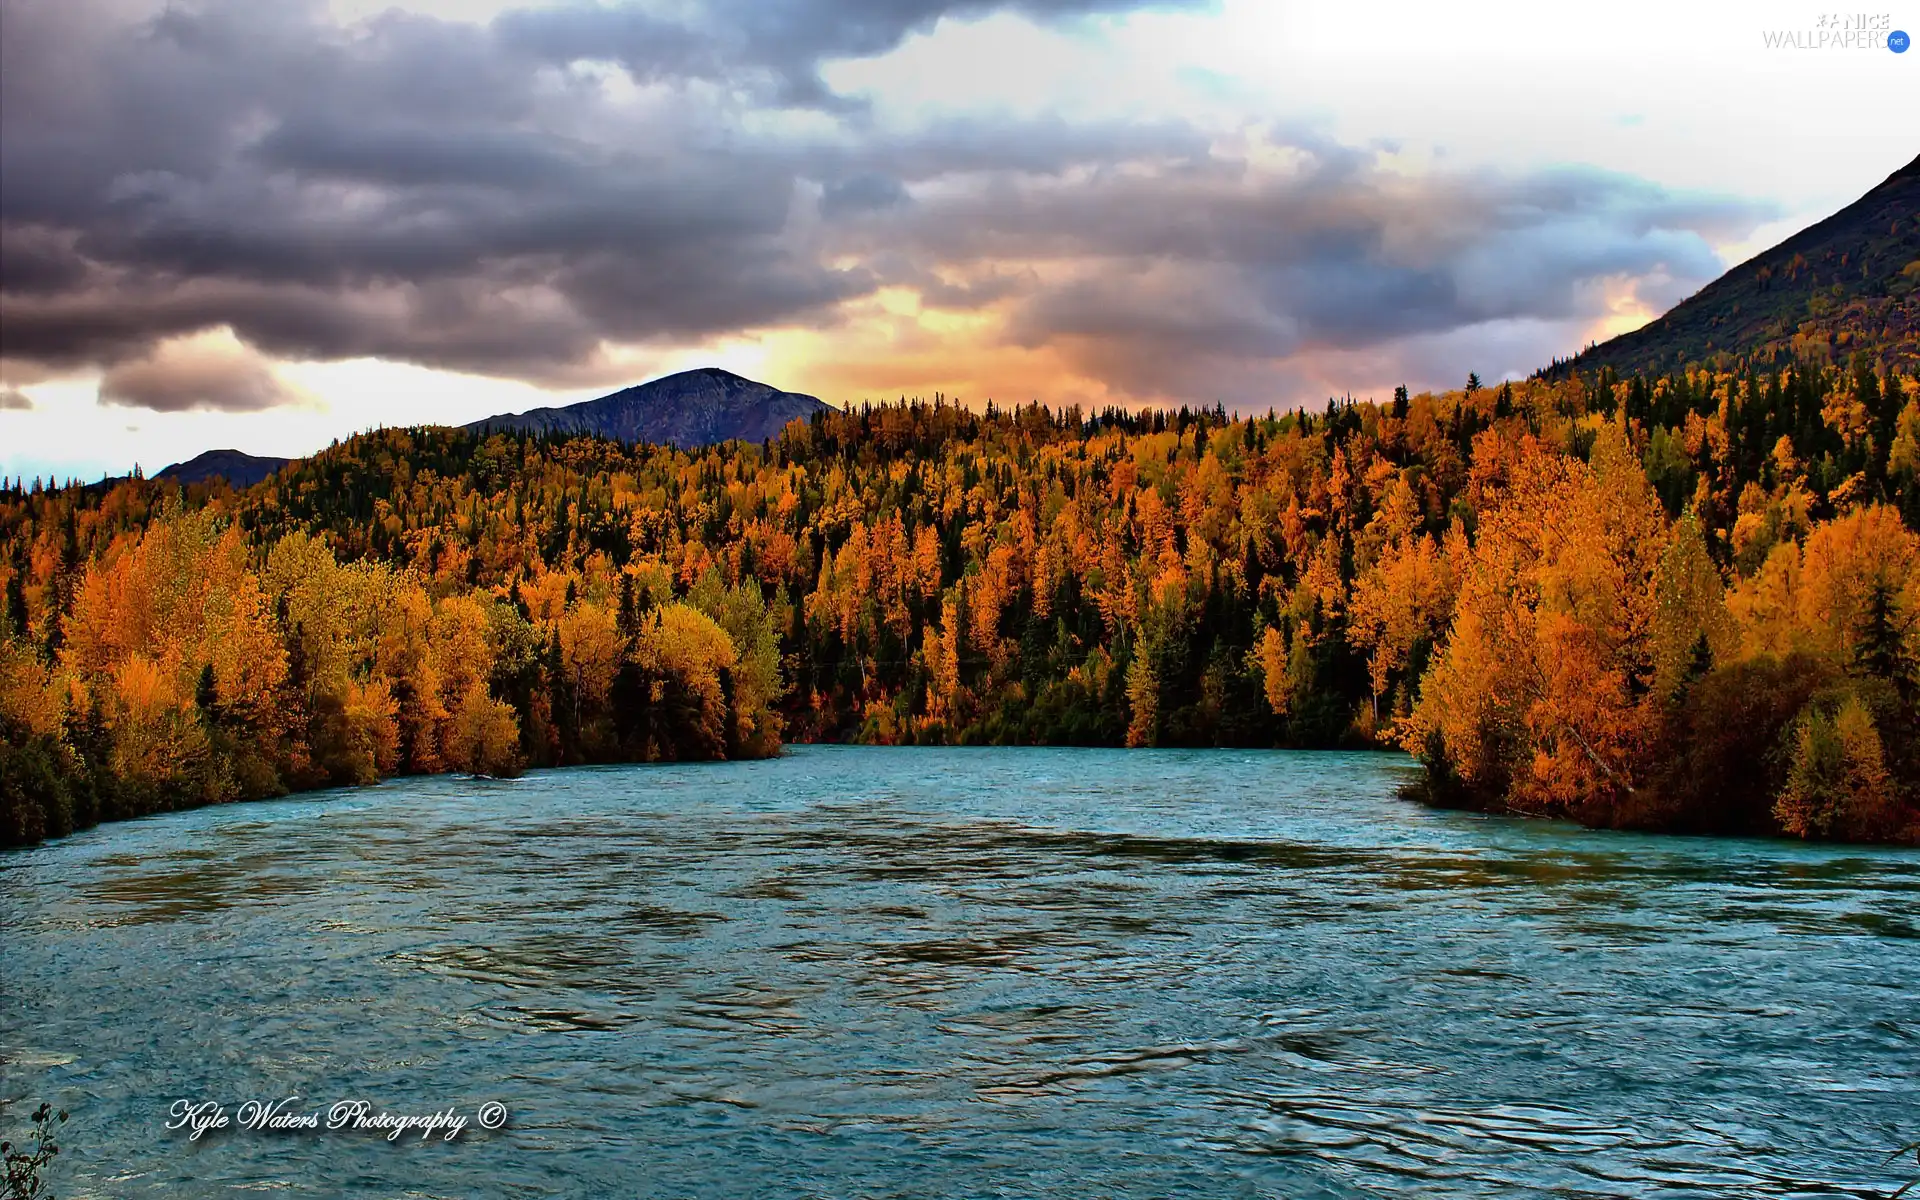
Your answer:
<point x="856" y="972"/>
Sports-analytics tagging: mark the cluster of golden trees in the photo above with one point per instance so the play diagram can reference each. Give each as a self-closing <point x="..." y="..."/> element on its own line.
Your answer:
<point x="189" y="667"/>
<point x="1598" y="663"/>
<point x="1682" y="603"/>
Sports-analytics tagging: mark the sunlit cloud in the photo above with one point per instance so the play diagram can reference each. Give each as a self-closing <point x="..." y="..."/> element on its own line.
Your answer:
<point x="212" y="371"/>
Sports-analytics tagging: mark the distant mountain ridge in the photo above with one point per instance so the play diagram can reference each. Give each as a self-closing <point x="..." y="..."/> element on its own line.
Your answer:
<point x="701" y="407"/>
<point x="1846" y="284"/>
<point x="693" y="408"/>
<point x="239" y="469"/>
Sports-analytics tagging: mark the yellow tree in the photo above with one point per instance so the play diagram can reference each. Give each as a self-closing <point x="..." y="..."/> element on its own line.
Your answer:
<point x="591" y="651"/>
<point x="1404" y="599"/>
<point x="1838" y="782"/>
<point x="1692" y="628"/>
<point x="755" y="675"/>
<point x="483" y="737"/>
<point x="684" y="656"/>
<point x="1270" y="660"/>
<point x="1812" y="598"/>
<point x="1539" y="692"/>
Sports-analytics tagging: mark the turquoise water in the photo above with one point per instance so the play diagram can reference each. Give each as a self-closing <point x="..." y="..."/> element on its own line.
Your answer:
<point x="859" y="972"/>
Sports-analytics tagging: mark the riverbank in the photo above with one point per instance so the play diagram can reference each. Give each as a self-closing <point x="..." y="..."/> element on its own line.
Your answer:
<point x="1732" y="794"/>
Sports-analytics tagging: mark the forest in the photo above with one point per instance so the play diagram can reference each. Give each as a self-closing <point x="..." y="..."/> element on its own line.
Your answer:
<point x="1689" y="603"/>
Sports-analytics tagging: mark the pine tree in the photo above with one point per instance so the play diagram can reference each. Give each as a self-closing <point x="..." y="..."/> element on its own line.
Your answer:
<point x="16" y="610"/>
<point x="1880" y="640"/>
<point x="206" y="695"/>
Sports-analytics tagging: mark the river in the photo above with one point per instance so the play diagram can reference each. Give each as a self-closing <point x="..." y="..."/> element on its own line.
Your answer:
<point x="862" y="972"/>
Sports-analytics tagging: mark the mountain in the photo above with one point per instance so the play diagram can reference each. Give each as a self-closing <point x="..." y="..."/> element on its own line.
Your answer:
<point x="240" y="470"/>
<point x="693" y="408"/>
<point x="1848" y="283"/>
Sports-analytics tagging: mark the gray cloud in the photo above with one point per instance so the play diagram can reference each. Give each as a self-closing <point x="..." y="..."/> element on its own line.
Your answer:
<point x="779" y="46"/>
<point x="862" y="194"/>
<point x="181" y="378"/>
<point x="14" y="400"/>
<point x="1201" y="281"/>
<point x="473" y="198"/>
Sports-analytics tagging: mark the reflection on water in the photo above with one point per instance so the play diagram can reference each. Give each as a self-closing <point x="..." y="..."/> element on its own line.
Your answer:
<point x="858" y="972"/>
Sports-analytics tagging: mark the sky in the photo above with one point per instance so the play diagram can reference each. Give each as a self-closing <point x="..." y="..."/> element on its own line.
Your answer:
<point x="268" y="224"/>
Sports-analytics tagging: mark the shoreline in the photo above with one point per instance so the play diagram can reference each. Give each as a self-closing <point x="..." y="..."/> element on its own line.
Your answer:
<point x="1411" y="792"/>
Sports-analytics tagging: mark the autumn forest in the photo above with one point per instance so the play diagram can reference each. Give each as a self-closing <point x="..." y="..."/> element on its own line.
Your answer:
<point x="1689" y="603"/>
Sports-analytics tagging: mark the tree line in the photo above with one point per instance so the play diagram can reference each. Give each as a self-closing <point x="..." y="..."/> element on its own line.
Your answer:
<point x="1690" y="602"/>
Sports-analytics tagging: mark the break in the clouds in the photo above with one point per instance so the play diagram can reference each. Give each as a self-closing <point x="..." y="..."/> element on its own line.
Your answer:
<point x="546" y="195"/>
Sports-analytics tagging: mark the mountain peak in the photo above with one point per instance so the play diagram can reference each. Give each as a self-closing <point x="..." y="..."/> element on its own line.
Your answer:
<point x="239" y="469"/>
<point x="1845" y="284"/>
<point x="699" y="407"/>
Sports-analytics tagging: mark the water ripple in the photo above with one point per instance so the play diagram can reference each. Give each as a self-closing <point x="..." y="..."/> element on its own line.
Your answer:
<point x="870" y="973"/>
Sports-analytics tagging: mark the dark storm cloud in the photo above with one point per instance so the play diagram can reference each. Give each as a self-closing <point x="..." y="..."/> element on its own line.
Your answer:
<point x="38" y="260"/>
<point x="479" y="198"/>
<point x="419" y="190"/>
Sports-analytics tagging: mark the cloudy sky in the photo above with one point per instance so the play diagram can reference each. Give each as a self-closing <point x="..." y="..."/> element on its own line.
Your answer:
<point x="268" y="223"/>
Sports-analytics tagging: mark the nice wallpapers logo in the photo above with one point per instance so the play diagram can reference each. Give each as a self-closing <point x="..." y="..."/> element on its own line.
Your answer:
<point x="1842" y="31"/>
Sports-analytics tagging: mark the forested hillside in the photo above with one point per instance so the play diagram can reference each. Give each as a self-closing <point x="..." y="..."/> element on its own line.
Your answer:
<point x="1687" y="603"/>
<point x="1847" y="285"/>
